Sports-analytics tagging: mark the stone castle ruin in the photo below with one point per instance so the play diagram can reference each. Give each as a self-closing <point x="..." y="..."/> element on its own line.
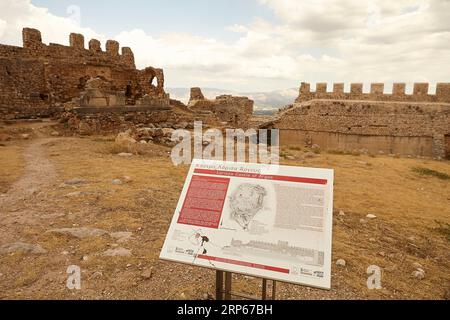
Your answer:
<point x="227" y="108"/>
<point x="396" y="123"/>
<point x="37" y="78"/>
<point x="94" y="91"/>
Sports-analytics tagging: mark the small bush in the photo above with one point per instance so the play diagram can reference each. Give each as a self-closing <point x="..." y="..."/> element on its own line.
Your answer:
<point x="431" y="172"/>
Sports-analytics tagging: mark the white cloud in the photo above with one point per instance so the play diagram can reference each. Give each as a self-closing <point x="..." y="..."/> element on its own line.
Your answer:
<point x="21" y="13"/>
<point x="312" y="40"/>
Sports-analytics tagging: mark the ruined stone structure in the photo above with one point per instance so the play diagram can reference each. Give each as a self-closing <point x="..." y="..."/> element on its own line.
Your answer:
<point x="37" y="79"/>
<point x="397" y="123"/>
<point x="227" y="108"/>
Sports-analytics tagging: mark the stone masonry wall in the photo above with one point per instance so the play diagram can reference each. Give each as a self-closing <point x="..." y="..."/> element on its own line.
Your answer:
<point x="417" y="124"/>
<point x="227" y="108"/>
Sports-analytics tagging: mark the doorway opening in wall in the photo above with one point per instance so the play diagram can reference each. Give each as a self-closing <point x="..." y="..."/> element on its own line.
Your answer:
<point x="128" y="91"/>
<point x="154" y="81"/>
<point x="447" y="146"/>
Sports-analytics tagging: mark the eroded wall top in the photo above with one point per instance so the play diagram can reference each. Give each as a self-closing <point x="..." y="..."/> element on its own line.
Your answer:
<point x="34" y="47"/>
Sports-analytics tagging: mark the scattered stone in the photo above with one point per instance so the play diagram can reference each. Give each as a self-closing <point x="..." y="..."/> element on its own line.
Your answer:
<point x="55" y="133"/>
<point x="85" y="258"/>
<point x="372" y="239"/>
<point x="143" y="142"/>
<point x="290" y="157"/>
<point x="341" y="262"/>
<point x="65" y="253"/>
<point x="117" y="181"/>
<point x="341" y="213"/>
<point x="81" y="232"/>
<point x="119" y="251"/>
<point x="371" y="216"/>
<point x="75" y="181"/>
<point x="84" y="128"/>
<point x="127" y="179"/>
<point x="417" y="265"/>
<point x="124" y="138"/>
<point x="121" y="236"/>
<point x="309" y="154"/>
<point x="125" y="154"/>
<point x="363" y="221"/>
<point x="20" y="247"/>
<point x="25" y="136"/>
<point x="418" y="274"/>
<point x="147" y="274"/>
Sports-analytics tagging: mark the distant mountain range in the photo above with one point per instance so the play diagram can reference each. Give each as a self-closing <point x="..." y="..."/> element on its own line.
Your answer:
<point x="265" y="102"/>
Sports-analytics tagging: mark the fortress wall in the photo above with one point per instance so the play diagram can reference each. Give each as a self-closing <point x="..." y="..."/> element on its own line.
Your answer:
<point x="421" y="146"/>
<point x="416" y="128"/>
<point x="37" y="77"/>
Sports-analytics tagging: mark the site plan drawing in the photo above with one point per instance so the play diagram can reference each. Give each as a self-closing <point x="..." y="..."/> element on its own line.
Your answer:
<point x="268" y="221"/>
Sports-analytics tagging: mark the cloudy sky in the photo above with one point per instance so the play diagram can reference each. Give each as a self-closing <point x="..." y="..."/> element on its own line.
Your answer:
<point x="255" y="45"/>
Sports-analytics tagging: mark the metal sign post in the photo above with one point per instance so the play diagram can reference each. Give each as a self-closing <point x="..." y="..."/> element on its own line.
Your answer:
<point x="224" y="291"/>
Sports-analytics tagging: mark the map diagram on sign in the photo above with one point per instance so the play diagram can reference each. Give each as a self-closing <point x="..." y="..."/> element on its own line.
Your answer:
<point x="261" y="220"/>
<point x="245" y="203"/>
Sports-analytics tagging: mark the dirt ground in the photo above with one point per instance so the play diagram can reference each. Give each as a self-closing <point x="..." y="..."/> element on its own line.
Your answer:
<point x="49" y="181"/>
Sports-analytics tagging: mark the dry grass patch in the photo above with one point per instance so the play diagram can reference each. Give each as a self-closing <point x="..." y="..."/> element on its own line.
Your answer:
<point x="12" y="165"/>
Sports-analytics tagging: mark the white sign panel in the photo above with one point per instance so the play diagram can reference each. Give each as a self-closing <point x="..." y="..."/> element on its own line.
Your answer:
<point x="267" y="221"/>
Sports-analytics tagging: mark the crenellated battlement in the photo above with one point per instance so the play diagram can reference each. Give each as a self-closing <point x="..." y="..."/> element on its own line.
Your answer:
<point x="34" y="47"/>
<point x="378" y="92"/>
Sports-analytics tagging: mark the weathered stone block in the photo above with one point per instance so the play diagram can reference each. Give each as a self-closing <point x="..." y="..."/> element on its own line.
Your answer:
<point x="420" y="88"/>
<point x="112" y="47"/>
<point x="398" y="89"/>
<point x="94" y="45"/>
<point x="76" y="41"/>
<point x="443" y="92"/>
<point x="31" y="38"/>
<point x="377" y="88"/>
<point x="338" y="88"/>
<point x="305" y="88"/>
<point x="196" y="94"/>
<point x="356" y="88"/>
<point x="321" y="87"/>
